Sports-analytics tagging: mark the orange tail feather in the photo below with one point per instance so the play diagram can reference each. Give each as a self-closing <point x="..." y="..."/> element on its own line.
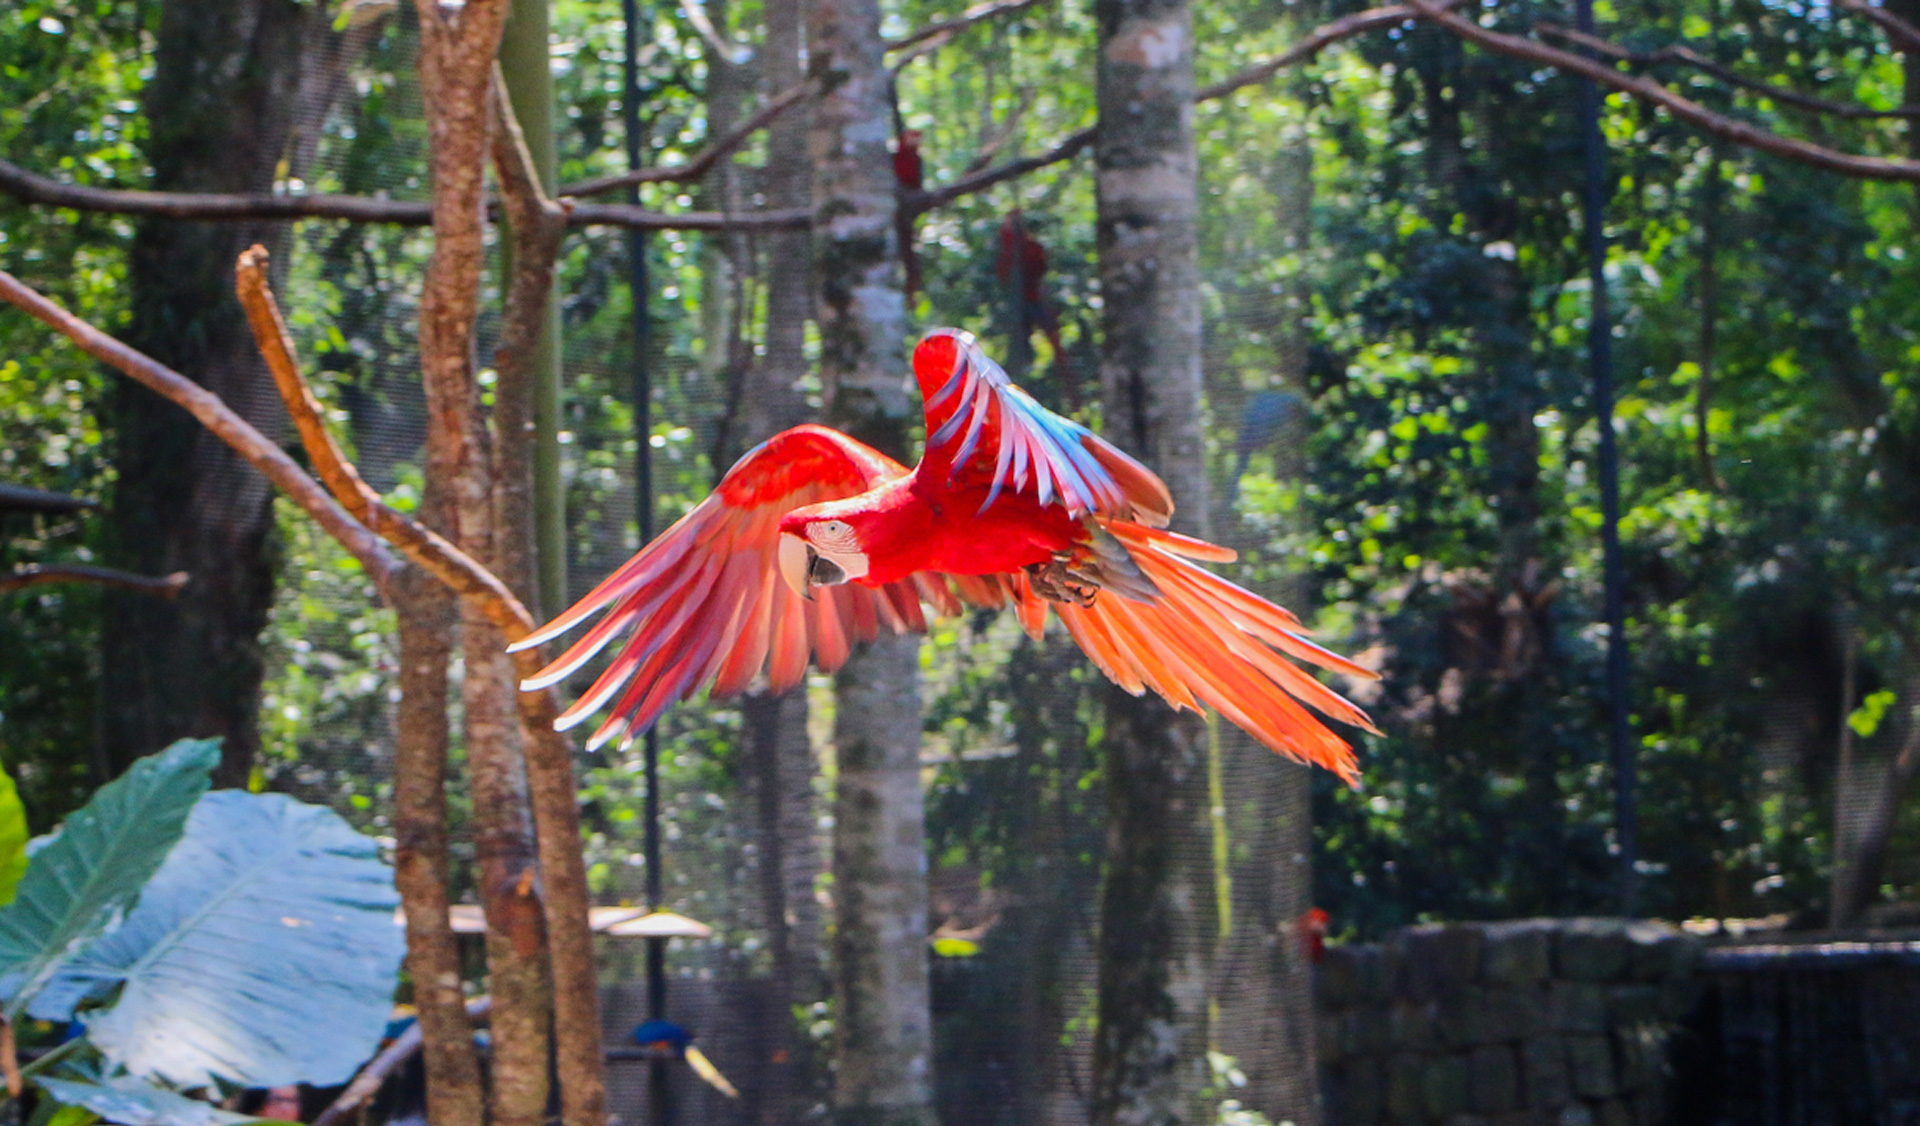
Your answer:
<point x="1207" y="641"/>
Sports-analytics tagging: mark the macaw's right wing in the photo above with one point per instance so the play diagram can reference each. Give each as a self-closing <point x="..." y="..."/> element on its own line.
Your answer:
<point x="704" y="603"/>
<point x="983" y="429"/>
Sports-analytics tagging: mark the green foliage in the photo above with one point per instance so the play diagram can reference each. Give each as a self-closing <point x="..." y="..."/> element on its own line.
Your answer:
<point x="269" y="915"/>
<point x="133" y="1102"/>
<point x="82" y="882"/>
<point x="1418" y="304"/>
<point x="13" y="839"/>
<point x="200" y="938"/>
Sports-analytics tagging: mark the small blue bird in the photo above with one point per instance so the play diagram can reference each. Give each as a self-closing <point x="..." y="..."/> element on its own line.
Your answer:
<point x="675" y="1042"/>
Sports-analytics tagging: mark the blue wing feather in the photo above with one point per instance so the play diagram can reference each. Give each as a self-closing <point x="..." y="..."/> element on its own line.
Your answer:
<point x="1033" y="439"/>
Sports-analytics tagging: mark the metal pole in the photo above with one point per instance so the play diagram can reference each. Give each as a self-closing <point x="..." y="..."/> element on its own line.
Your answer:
<point x="639" y="288"/>
<point x="1600" y="354"/>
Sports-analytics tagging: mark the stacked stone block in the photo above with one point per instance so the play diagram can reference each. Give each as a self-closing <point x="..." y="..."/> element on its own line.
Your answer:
<point x="1555" y="1022"/>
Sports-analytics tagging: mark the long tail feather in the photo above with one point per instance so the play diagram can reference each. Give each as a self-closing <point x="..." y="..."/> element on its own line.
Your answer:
<point x="1204" y="640"/>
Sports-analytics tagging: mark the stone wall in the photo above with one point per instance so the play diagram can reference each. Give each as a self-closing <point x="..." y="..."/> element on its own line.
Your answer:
<point x="1543" y="1021"/>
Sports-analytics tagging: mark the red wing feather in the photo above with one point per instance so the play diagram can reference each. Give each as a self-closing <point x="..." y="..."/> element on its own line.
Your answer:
<point x="703" y="603"/>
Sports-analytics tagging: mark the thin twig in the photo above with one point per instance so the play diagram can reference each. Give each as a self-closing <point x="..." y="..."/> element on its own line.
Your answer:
<point x="36" y="574"/>
<point x="31" y="187"/>
<point x="1677" y="53"/>
<point x="697" y="165"/>
<point x="960" y="22"/>
<point x="916" y="203"/>
<point x="20" y="498"/>
<point x="217" y="417"/>
<point x="1792" y="148"/>
<point x="1310" y="45"/>
<point x="1904" y="36"/>
<point x="375" y="1074"/>
<point x="445" y="562"/>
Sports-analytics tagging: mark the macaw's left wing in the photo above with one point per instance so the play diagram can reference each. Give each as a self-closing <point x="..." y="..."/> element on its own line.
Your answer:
<point x="703" y="603"/>
<point x="982" y="428"/>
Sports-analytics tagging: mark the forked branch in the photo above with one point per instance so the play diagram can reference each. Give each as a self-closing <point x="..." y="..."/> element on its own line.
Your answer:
<point x="1692" y="112"/>
<point x="1687" y="56"/>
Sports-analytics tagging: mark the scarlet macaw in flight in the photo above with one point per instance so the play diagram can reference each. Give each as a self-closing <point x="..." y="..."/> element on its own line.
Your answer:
<point x="814" y="541"/>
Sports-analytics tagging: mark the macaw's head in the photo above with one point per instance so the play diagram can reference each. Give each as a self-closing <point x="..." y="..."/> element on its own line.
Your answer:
<point x="822" y="545"/>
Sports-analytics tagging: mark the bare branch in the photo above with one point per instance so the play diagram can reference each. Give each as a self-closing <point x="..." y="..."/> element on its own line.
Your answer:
<point x="30" y="187"/>
<point x="916" y="203"/>
<point x="36" y="574"/>
<point x="697" y="166"/>
<point x="1905" y="37"/>
<point x="1792" y="148"/>
<point x="217" y="417"/>
<point x="1689" y="57"/>
<point x="19" y="498"/>
<point x="640" y="219"/>
<point x="960" y="22"/>
<point x="381" y="1067"/>
<point x="1314" y="42"/>
<point x="549" y="759"/>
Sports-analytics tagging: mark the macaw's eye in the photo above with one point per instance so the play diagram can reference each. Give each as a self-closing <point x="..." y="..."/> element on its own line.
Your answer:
<point x="834" y="535"/>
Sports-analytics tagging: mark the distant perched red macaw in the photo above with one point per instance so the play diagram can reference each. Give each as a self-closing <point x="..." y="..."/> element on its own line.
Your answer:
<point x="911" y="173"/>
<point x="813" y="541"/>
<point x="1022" y="265"/>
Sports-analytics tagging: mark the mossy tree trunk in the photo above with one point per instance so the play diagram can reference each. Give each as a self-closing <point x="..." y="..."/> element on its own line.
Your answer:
<point x="883" y="1042"/>
<point x="776" y="726"/>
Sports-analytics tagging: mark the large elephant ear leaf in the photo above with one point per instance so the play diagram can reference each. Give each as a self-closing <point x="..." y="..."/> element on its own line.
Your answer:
<point x="263" y="952"/>
<point x="13" y="839"/>
<point x="131" y="1101"/>
<point x="84" y="879"/>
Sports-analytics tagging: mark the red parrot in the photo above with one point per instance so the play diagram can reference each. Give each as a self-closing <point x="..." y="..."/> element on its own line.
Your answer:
<point x="1311" y="927"/>
<point x="1022" y="263"/>
<point x="813" y="541"/>
<point x="911" y="173"/>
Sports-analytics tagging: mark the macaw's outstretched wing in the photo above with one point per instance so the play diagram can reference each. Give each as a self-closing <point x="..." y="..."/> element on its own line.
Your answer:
<point x="1199" y="639"/>
<point x="703" y="603"/>
<point x="983" y="429"/>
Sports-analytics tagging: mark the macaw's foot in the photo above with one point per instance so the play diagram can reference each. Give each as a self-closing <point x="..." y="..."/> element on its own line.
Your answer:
<point x="1055" y="581"/>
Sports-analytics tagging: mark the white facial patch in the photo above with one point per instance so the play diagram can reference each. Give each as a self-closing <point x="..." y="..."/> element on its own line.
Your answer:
<point x="833" y="537"/>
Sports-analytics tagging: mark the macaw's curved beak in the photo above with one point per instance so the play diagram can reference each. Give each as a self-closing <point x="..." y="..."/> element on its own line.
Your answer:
<point x="796" y="564"/>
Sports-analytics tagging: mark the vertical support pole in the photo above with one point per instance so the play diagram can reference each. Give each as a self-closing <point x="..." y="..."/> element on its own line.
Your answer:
<point x="1600" y="356"/>
<point x="640" y="288"/>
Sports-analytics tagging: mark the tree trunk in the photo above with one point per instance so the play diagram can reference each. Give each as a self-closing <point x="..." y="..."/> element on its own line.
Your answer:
<point x="776" y="727"/>
<point x="526" y="67"/>
<point x="425" y="612"/>
<point x="457" y="52"/>
<point x="1158" y="917"/>
<point x="219" y="110"/>
<point x="883" y="1043"/>
<point x="1263" y="983"/>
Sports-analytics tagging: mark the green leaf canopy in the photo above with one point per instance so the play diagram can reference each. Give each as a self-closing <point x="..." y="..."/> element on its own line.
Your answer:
<point x="263" y="952"/>
<point x="82" y="881"/>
